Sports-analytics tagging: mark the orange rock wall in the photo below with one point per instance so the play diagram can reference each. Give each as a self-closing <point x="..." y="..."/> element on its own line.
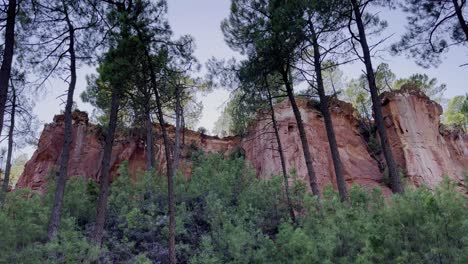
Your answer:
<point x="412" y="120"/>
<point x="87" y="147"/>
<point x="358" y="166"/>
<point x="424" y="152"/>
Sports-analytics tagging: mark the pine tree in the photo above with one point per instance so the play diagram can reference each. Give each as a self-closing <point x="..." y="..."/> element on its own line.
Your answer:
<point x="63" y="34"/>
<point x="8" y="51"/>
<point x="269" y="31"/>
<point x="433" y="27"/>
<point x="324" y="28"/>
<point x="357" y="11"/>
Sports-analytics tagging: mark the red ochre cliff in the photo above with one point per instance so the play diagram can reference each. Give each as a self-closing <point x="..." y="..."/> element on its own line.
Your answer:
<point x="425" y="152"/>
<point x="423" y="148"/>
<point x="358" y="165"/>
<point x="87" y="149"/>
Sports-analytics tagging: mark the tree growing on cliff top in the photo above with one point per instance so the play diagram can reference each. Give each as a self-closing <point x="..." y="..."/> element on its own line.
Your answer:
<point x="270" y="31"/>
<point x="457" y="112"/>
<point x="425" y="84"/>
<point x="357" y="91"/>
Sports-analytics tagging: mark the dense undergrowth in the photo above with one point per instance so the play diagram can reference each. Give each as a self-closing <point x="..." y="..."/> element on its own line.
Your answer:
<point x="226" y="215"/>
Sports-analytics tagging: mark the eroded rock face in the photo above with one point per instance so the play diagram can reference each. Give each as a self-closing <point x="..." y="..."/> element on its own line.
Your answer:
<point x="87" y="146"/>
<point x="424" y="152"/>
<point x="358" y="166"/>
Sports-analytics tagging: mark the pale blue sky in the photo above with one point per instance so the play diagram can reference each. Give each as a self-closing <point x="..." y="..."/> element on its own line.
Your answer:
<point x="202" y="18"/>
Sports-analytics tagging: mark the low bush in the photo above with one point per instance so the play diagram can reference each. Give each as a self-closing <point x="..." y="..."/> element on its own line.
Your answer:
<point x="226" y="215"/>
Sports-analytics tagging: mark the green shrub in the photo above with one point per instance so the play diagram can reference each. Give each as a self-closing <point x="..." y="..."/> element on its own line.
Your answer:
<point x="69" y="247"/>
<point x="23" y="226"/>
<point x="224" y="214"/>
<point x="24" y="219"/>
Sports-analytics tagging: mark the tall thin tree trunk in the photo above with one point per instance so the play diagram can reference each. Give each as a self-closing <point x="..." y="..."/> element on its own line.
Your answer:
<point x="170" y="179"/>
<point x="5" y="70"/>
<point x="324" y="107"/>
<point x="182" y="124"/>
<point x="61" y="178"/>
<point x="282" y="159"/>
<point x="461" y="19"/>
<point x="6" y="179"/>
<point x="167" y="148"/>
<point x="302" y="134"/>
<point x="177" y="132"/>
<point x="150" y="161"/>
<point x="376" y="105"/>
<point x="101" y="207"/>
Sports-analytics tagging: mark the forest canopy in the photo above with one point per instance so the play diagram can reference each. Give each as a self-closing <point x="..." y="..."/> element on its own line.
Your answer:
<point x="144" y="81"/>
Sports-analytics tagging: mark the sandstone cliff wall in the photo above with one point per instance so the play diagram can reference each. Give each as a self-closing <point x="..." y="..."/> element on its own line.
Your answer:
<point x="423" y="152"/>
<point x="358" y="165"/>
<point x="87" y="150"/>
<point x="423" y="149"/>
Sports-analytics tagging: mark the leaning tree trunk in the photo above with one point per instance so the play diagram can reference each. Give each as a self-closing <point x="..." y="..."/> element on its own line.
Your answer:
<point x="61" y="180"/>
<point x="5" y="70"/>
<point x="376" y="105"/>
<point x="6" y="179"/>
<point x="461" y="19"/>
<point x="150" y="161"/>
<point x="170" y="179"/>
<point x="324" y="104"/>
<point x="182" y="124"/>
<point x="177" y="132"/>
<point x="282" y="159"/>
<point x="302" y="135"/>
<point x="101" y="207"/>
<point x="167" y="150"/>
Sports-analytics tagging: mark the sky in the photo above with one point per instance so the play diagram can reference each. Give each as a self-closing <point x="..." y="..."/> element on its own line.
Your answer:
<point x="202" y="18"/>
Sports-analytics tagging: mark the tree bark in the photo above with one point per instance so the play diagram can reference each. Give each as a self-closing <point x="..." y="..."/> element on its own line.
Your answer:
<point x="167" y="150"/>
<point x="302" y="135"/>
<point x="461" y="19"/>
<point x="182" y="124"/>
<point x="101" y="207"/>
<point x="376" y="104"/>
<point x="282" y="159"/>
<point x="61" y="180"/>
<point x="6" y="179"/>
<point x="150" y="160"/>
<point x="170" y="180"/>
<point x="177" y="132"/>
<point x="5" y="70"/>
<point x="324" y="108"/>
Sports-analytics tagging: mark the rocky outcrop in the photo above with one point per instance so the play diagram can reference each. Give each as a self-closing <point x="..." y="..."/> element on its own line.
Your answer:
<point x="358" y="166"/>
<point x="423" y="151"/>
<point x="87" y="146"/>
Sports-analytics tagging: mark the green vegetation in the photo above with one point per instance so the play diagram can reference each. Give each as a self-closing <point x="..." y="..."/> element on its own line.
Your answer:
<point x="23" y="226"/>
<point x="356" y="90"/>
<point x="226" y="215"/>
<point x="456" y="114"/>
<point x="147" y="79"/>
